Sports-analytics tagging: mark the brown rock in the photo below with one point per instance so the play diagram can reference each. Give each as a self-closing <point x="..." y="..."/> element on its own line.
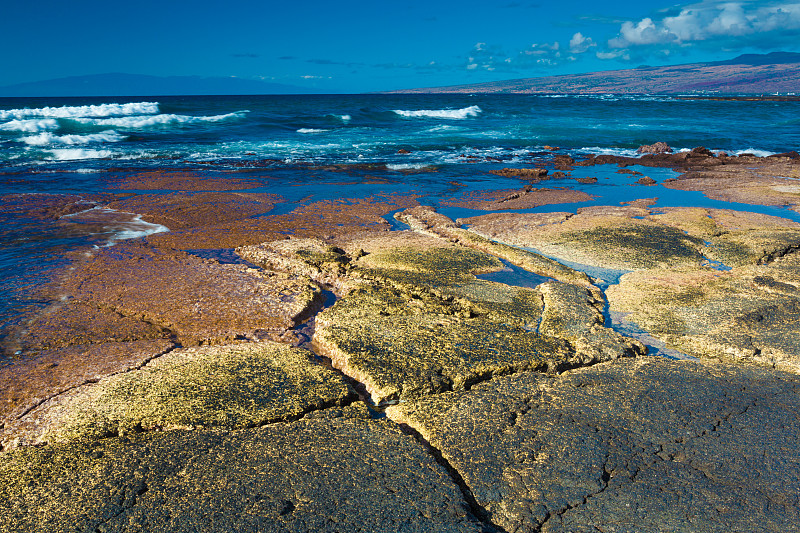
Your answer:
<point x="657" y="148"/>
<point x="646" y="180"/>
<point x="201" y="301"/>
<point x="527" y="173"/>
<point x="587" y="180"/>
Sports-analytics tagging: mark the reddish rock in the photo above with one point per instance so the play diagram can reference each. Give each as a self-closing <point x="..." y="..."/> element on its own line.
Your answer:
<point x="657" y="148"/>
<point x="527" y="173"/>
<point x="646" y="180"/>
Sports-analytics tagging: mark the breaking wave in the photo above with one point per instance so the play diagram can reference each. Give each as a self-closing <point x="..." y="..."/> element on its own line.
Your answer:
<point x="74" y="154"/>
<point x="46" y="138"/>
<point x="310" y="130"/>
<point x="100" y="110"/>
<point x="134" y="122"/>
<point x="30" y="125"/>
<point x="453" y="114"/>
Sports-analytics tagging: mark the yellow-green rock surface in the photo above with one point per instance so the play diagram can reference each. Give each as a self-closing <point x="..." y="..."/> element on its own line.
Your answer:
<point x="233" y="386"/>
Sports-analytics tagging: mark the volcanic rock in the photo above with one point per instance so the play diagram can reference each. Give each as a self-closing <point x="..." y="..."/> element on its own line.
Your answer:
<point x="642" y="445"/>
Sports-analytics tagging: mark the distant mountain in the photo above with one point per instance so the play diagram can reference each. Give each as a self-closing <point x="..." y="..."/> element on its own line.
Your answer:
<point x="118" y="84"/>
<point x="777" y="72"/>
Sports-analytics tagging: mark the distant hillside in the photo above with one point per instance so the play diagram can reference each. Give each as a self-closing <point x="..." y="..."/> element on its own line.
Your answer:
<point x="778" y="72"/>
<point x="118" y="84"/>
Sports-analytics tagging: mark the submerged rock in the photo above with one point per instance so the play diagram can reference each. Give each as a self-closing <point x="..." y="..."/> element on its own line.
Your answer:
<point x="642" y="445"/>
<point x="308" y="476"/>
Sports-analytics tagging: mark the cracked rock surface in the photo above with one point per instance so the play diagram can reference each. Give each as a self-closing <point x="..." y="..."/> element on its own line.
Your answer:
<point x="234" y="386"/>
<point x="421" y="322"/>
<point x="639" y="445"/>
<point x="340" y="474"/>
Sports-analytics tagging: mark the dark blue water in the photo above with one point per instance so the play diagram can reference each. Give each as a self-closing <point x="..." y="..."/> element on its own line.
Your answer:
<point x="310" y="148"/>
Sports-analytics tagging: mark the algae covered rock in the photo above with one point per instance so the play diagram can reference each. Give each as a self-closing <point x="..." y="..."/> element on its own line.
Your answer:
<point x="234" y="386"/>
<point x="311" y="475"/>
<point x="642" y="445"/>
<point x="748" y="314"/>
<point x="422" y="323"/>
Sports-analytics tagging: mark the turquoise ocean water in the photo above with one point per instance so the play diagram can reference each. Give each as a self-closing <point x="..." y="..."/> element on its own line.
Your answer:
<point x="299" y="147"/>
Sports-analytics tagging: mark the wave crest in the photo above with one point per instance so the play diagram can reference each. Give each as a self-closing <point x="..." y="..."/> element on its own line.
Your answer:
<point x="30" y="125"/>
<point x="135" y="122"/>
<point x="454" y="114"/>
<point x="100" y="110"/>
<point x="46" y="138"/>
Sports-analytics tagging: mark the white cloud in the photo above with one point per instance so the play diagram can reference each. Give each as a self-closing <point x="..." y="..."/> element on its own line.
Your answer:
<point x="761" y="23"/>
<point x="580" y="44"/>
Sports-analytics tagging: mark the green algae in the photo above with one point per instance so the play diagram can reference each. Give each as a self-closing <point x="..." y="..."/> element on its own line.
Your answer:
<point x="421" y="324"/>
<point x="230" y="387"/>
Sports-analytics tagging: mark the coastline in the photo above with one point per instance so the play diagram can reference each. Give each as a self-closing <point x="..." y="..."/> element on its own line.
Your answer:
<point x="436" y="396"/>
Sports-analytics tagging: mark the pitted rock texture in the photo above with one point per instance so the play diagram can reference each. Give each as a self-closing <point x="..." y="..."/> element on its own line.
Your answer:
<point x="238" y="386"/>
<point x="307" y="476"/>
<point x="28" y="381"/>
<point x="635" y="445"/>
<point x="748" y="314"/>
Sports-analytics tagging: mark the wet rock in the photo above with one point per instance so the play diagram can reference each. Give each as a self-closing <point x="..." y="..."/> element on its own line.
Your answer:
<point x="201" y="301"/>
<point x="237" y="386"/>
<point x="403" y="151"/>
<point x="327" y="220"/>
<point x="184" y="210"/>
<point x="750" y="180"/>
<point x="587" y="180"/>
<point x="527" y="198"/>
<point x="426" y="220"/>
<point x="527" y="173"/>
<point x="640" y="445"/>
<point x="71" y="323"/>
<point x="179" y="181"/>
<point x="657" y="148"/>
<point x="309" y="475"/>
<point x="646" y="180"/>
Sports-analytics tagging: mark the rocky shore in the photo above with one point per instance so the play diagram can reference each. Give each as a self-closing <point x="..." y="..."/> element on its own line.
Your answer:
<point x="374" y="365"/>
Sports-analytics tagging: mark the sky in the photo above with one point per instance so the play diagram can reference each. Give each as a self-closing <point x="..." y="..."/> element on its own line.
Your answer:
<point x="374" y="45"/>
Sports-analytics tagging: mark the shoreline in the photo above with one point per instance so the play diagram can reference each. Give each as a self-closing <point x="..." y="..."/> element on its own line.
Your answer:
<point x="443" y="383"/>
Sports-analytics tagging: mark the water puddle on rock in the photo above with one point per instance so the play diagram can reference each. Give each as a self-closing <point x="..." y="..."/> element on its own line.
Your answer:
<point x="515" y="276"/>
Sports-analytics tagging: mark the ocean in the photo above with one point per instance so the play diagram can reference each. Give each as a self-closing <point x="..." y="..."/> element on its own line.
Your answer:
<point x="301" y="146"/>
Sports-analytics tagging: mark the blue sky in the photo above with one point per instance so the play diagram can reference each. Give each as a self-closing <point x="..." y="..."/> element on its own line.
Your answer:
<point x="356" y="46"/>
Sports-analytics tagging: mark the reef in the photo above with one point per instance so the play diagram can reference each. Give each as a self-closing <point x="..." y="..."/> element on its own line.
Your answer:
<point x="331" y="368"/>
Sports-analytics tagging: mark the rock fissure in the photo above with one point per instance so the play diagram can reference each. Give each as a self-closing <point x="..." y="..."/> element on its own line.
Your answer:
<point x="96" y="380"/>
<point x="477" y="510"/>
<point x="770" y="257"/>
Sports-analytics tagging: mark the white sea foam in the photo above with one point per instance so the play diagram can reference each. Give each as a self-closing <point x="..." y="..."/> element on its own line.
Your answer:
<point x="598" y="150"/>
<point x="407" y="166"/>
<point x="118" y="225"/>
<point x="345" y="118"/>
<point x="135" y="122"/>
<point x="74" y="154"/>
<point x="30" y="125"/>
<point x="755" y="152"/>
<point x="102" y="110"/>
<point x="46" y="138"/>
<point x="310" y="130"/>
<point x="454" y="114"/>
